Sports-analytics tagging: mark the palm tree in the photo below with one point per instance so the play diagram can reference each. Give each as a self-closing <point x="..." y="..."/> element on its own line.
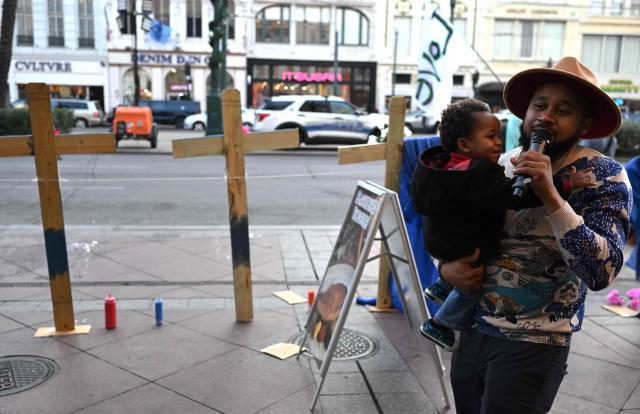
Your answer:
<point x="6" y="44"/>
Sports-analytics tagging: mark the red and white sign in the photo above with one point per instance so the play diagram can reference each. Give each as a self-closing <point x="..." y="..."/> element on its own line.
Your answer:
<point x="317" y="77"/>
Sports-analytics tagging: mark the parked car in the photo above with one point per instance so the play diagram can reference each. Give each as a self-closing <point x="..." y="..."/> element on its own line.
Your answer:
<point x="172" y="112"/>
<point x="198" y="122"/>
<point x="273" y="104"/>
<point x="135" y="122"/>
<point x="19" y="104"/>
<point x="85" y="113"/>
<point x="323" y="119"/>
<point x="420" y="121"/>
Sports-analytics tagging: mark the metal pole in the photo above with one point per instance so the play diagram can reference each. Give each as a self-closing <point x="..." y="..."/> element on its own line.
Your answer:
<point x="475" y="14"/>
<point x="395" y="58"/>
<point x="335" y="65"/>
<point x="136" y="76"/>
<point x="218" y="53"/>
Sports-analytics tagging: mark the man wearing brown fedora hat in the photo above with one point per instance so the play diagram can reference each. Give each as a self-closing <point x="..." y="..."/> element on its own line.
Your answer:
<point x="513" y="359"/>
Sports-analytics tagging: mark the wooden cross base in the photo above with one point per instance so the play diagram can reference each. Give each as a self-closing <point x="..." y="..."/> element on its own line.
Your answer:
<point x="51" y="331"/>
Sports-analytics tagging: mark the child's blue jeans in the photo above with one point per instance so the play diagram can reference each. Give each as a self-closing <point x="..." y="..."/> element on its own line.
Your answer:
<point x="456" y="312"/>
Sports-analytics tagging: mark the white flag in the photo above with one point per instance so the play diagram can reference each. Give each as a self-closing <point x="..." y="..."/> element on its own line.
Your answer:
<point x="441" y="53"/>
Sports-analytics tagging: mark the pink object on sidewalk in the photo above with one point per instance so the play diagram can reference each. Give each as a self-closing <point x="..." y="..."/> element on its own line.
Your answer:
<point x="635" y="304"/>
<point x="633" y="293"/>
<point x="613" y="298"/>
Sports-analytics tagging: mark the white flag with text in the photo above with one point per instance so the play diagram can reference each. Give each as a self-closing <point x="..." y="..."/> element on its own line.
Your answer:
<point x="442" y="51"/>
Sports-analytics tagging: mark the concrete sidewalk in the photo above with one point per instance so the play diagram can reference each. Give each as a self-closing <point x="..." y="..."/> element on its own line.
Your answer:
<point x="202" y="361"/>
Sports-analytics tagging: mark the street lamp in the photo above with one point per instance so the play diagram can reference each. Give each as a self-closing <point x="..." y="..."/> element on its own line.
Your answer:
<point x="123" y="17"/>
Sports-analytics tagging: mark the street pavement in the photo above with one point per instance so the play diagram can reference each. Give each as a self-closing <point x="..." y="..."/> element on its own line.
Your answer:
<point x="202" y="361"/>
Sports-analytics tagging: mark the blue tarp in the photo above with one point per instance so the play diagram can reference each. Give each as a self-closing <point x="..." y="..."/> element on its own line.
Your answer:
<point x="633" y="170"/>
<point x="427" y="272"/>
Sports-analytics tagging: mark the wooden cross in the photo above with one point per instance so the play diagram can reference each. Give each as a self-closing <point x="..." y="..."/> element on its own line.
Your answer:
<point x="233" y="145"/>
<point x="391" y="151"/>
<point x="46" y="147"/>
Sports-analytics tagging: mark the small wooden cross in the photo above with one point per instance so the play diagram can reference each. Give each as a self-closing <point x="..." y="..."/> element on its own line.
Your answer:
<point x="46" y="147"/>
<point x="233" y="145"/>
<point x="391" y="151"/>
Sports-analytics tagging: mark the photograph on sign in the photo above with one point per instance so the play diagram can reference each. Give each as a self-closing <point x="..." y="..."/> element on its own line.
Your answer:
<point x="343" y="269"/>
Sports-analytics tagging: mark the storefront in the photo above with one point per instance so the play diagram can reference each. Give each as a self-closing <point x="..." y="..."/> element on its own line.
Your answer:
<point x="66" y="78"/>
<point x="356" y="81"/>
<point x="167" y="75"/>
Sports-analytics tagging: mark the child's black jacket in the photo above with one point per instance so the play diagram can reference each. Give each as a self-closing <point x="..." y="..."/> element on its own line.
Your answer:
<point x="465" y="209"/>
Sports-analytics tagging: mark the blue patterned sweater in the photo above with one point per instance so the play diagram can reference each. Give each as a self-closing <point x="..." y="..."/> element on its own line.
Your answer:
<point x="535" y="291"/>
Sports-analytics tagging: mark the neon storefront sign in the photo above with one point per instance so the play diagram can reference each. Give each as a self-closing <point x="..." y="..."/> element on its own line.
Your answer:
<point x="311" y="77"/>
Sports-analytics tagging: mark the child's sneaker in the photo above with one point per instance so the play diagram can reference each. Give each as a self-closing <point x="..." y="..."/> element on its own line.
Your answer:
<point x="441" y="335"/>
<point x="436" y="293"/>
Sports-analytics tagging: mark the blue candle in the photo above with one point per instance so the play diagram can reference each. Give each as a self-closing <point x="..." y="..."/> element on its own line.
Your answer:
<point x="158" y="307"/>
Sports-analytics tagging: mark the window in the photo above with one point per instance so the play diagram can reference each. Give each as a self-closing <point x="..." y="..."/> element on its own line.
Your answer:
<point x="403" y="29"/>
<point x="338" y="107"/>
<point x="128" y="86"/>
<point x="231" y="15"/>
<point x="528" y="39"/>
<point x="24" y="23"/>
<point x="502" y="34"/>
<point x="634" y="8"/>
<point x="161" y="11"/>
<point x="596" y="7"/>
<point x="194" y="18"/>
<point x="312" y="25"/>
<point x="612" y="54"/>
<point x="402" y="78"/>
<point x="85" y="24"/>
<point x="458" y="80"/>
<point x="272" y="25"/>
<point x="128" y="18"/>
<point x="460" y="27"/>
<point x="616" y="7"/>
<point x="56" y="23"/>
<point x="314" y="106"/>
<point x="353" y="27"/>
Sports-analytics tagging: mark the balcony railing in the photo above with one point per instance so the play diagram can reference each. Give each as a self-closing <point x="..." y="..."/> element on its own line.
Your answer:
<point x="86" y="42"/>
<point x="24" y="40"/>
<point x="56" y="40"/>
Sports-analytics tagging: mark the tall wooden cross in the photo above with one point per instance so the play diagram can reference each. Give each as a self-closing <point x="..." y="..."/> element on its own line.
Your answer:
<point x="233" y="145"/>
<point x="391" y="151"/>
<point x="46" y="147"/>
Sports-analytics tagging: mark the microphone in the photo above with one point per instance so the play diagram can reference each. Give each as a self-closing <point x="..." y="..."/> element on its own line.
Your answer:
<point x="539" y="140"/>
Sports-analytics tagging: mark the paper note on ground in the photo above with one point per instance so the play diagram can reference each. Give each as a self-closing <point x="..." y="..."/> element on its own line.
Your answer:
<point x="623" y="311"/>
<point x="282" y="350"/>
<point x="292" y="298"/>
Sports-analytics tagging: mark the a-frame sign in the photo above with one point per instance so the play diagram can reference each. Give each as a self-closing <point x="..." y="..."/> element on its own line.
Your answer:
<point x="373" y="210"/>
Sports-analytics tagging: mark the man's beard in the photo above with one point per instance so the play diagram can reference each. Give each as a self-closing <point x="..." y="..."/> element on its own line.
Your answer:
<point x="555" y="149"/>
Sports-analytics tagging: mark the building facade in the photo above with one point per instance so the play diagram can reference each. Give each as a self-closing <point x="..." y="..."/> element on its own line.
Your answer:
<point x="61" y="43"/>
<point x="513" y="36"/>
<point x="172" y="60"/>
<point x="292" y="47"/>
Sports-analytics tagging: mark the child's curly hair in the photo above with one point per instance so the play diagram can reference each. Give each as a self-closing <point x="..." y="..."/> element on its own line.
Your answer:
<point x="457" y="121"/>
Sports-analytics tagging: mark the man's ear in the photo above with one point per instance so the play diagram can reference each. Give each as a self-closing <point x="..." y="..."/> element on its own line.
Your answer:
<point x="463" y="145"/>
<point x="586" y="124"/>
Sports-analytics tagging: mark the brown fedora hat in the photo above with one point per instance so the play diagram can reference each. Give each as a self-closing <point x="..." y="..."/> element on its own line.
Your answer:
<point x="571" y="72"/>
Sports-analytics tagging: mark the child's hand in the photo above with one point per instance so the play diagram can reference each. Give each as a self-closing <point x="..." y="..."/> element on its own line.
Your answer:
<point x="582" y="178"/>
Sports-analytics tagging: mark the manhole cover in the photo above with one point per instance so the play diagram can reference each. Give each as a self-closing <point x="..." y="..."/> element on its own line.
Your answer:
<point x="21" y="372"/>
<point x="352" y="345"/>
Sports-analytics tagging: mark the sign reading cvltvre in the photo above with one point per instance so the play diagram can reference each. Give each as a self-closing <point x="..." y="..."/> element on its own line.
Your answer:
<point x="38" y="66"/>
